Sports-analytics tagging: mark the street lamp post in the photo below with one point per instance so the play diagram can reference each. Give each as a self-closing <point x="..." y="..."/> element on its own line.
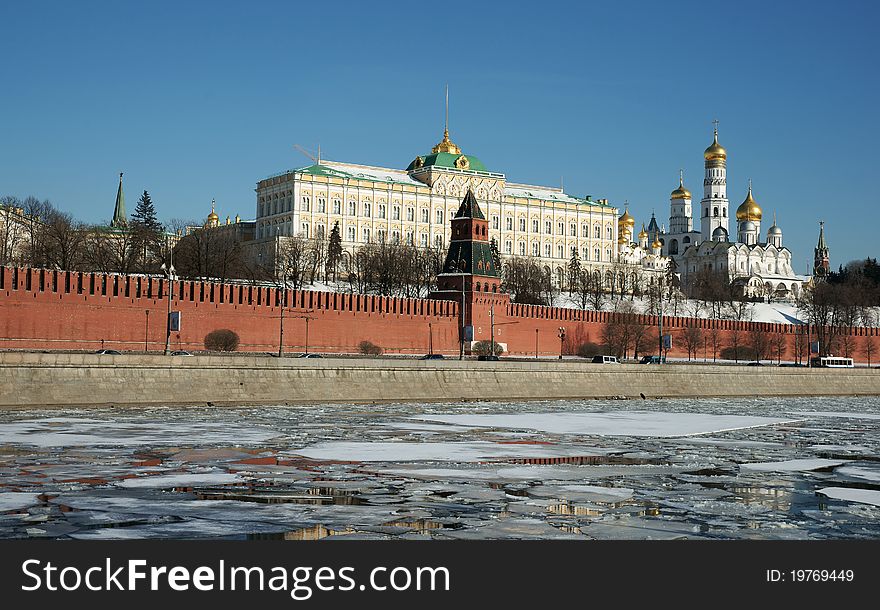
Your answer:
<point x="146" y="330"/>
<point x="281" y="326"/>
<point x="492" y="328"/>
<point x="169" y="274"/>
<point x="536" y="344"/>
<point x="561" y="340"/>
<point x="430" y="340"/>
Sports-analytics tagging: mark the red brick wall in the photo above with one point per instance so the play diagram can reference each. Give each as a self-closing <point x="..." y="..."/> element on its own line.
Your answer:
<point x="45" y="309"/>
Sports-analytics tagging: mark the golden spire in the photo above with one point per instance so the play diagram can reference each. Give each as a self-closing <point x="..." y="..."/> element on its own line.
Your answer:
<point x="213" y="220"/>
<point x="446" y="145"/>
<point x="680" y="192"/>
<point x="715" y="152"/>
<point x="643" y="234"/>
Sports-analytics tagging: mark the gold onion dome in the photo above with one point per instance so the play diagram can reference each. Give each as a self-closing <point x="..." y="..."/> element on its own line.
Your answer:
<point x="643" y="234"/>
<point x="446" y="145"/>
<point x="715" y="151"/>
<point x="212" y="219"/>
<point x="656" y="243"/>
<point x="681" y="192"/>
<point x="621" y="240"/>
<point x="626" y="220"/>
<point x="748" y="209"/>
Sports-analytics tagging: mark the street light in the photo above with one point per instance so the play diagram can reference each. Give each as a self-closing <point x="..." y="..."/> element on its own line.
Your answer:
<point x="561" y="336"/>
<point x="171" y="277"/>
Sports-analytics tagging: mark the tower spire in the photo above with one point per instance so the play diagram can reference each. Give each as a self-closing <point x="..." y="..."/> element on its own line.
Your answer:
<point x="446" y="124"/>
<point x="446" y="145"/>
<point x="120" y="218"/>
<point x="681" y="177"/>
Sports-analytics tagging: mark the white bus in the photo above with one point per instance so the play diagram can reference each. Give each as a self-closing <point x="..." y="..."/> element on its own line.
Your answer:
<point x="835" y="362"/>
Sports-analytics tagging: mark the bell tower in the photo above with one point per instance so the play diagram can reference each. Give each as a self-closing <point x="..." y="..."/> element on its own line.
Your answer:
<point x="714" y="206"/>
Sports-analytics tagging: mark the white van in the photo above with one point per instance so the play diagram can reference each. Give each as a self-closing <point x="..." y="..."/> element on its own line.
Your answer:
<point x="605" y="360"/>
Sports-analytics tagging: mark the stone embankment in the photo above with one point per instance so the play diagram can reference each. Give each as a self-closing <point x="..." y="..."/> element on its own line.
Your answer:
<point x="29" y="380"/>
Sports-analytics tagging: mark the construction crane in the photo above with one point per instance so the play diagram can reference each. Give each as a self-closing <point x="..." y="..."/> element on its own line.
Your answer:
<point x="316" y="159"/>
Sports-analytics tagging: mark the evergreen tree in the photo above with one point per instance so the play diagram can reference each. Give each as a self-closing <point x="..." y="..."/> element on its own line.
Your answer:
<point x="574" y="271"/>
<point x="146" y="232"/>
<point x="144" y="215"/>
<point x="334" y="251"/>
<point x="496" y="255"/>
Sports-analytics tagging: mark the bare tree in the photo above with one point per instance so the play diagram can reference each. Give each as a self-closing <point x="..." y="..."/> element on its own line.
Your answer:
<point x="759" y="342"/>
<point x="869" y="348"/>
<point x="693" y="338"/>
<point x="779" y="345"/>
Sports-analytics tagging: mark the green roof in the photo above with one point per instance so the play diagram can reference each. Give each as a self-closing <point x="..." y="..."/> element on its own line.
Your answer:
<point x="471" y="257"/>
<point x="444" y="159"/>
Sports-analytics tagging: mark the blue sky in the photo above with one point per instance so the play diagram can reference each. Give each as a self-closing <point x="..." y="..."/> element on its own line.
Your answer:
<point x="197" y="100"/>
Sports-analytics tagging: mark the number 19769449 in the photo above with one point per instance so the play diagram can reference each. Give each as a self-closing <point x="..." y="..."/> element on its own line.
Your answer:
<point x="811" y="576"/>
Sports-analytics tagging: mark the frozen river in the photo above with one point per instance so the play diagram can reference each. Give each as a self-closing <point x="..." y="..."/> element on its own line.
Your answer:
<point x="804" y="468"/>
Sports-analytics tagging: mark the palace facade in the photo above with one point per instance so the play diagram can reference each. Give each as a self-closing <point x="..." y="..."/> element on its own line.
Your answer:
<point x="414" y="205"/>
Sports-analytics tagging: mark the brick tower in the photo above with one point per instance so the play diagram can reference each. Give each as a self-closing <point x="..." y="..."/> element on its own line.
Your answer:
<point x="470" y="276"/>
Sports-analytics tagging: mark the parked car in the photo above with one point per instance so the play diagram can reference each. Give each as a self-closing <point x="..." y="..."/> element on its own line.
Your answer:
<point x="109" y="352"/>
<point x="181" y="352"/>
<point x="599" y="359"/>
<point x="433" y="357"/>
<point x="755" y="364"/>
<point x="652" y="360"/>
<point x="487" y="357"/>
<point x="311" y="356"/>
<point x="797" y="364"/>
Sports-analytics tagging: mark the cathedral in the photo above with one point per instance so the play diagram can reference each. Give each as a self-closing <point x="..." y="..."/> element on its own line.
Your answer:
<point x="759" y="265"/>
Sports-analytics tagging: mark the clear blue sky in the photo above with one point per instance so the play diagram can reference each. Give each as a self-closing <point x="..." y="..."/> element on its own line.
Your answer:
<point x="197" y="100"/>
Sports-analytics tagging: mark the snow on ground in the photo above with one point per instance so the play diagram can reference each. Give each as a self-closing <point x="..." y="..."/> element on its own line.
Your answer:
<point x="630" y="423"/>
<point x="864" y="496"/>
<point x="781" y="312"/>
<point x="793" y="465"/>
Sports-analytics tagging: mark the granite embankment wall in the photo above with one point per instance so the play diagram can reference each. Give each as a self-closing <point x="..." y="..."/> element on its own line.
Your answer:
<point x="47" y="380"/>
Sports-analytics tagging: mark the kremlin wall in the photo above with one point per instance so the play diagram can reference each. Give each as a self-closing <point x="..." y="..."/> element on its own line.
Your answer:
<point x="55" y="310"/>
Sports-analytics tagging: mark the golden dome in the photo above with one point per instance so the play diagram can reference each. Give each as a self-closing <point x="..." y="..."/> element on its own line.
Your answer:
<point x="213" y="220"/>
<point x="626" y="220"/>
<point x="681" y="192"/>
<point x="715" y="152"/>
<point x="748" y="209"/>
<point x="621" y="240"/>
<point x="643" y="234"/>
<point x="446" y="145"/>
<point x="656" y="243"/>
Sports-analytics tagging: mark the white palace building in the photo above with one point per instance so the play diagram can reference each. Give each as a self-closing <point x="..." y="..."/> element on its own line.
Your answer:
<point x="415" y="205"/>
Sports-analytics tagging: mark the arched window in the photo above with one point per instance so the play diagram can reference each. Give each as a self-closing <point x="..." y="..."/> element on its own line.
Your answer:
<point x="715" y="212"/>
<point x="673" y="246"/>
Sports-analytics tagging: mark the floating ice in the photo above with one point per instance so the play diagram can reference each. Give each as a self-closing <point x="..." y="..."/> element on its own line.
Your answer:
<point x="850" y="494"/>
<point x="14" y="500"/>
<point x="849" y="414"/>
<point x="793" y="465"/>
<point x="182" y="480"/>
<point x="354" y="451"/>
<point x="621" y="423"/>
<point x="858" y="472"/>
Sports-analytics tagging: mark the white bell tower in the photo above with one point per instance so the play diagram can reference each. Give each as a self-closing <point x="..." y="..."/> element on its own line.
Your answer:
<point x="714" y="206"/>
